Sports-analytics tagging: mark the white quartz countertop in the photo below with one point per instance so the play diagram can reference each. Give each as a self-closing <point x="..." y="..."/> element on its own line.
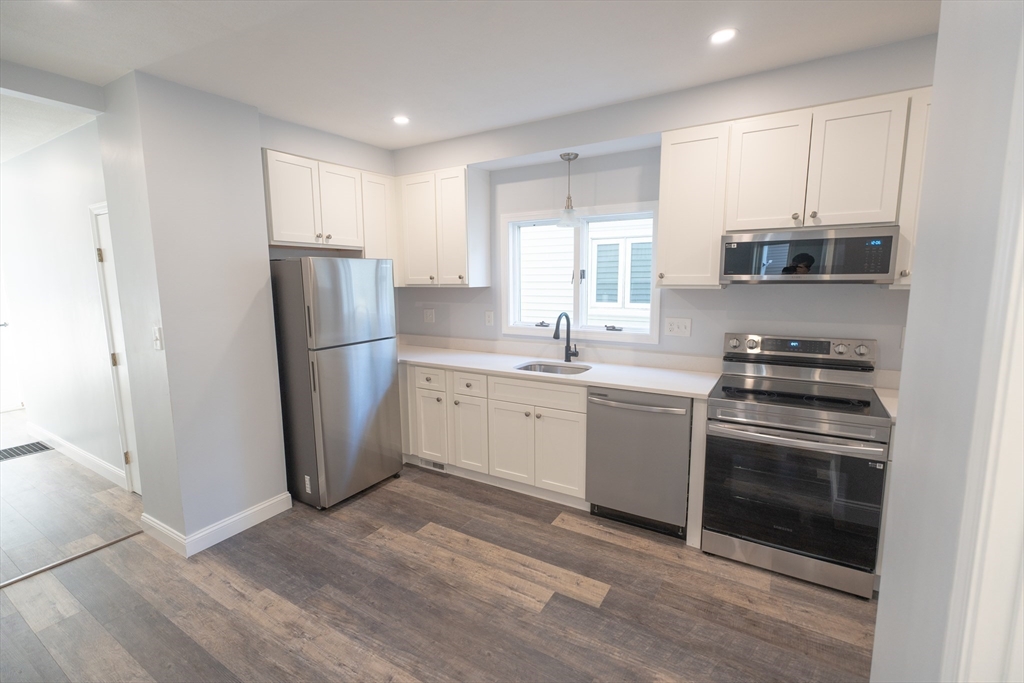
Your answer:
<point x="630" y="377"/>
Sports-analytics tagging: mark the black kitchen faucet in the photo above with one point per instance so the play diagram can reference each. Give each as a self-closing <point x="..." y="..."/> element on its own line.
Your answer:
<point x="570" y="348"/>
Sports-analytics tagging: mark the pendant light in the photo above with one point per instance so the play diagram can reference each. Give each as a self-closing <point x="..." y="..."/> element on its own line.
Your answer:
<point x="568" y="219"/>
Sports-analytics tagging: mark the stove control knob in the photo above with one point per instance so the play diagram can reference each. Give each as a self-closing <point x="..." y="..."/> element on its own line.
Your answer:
<point x="841" y="349"/>
<point x="861" y="350"/>
<point x="734" y="343"/>
<point x="751" y="344"/>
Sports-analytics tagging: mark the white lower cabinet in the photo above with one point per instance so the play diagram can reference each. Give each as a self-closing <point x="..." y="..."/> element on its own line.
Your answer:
<point x="430" y="440"/>
<point x="511" y="441"/>
<point x="560" y="451"/>
<point x="469" y="447"/>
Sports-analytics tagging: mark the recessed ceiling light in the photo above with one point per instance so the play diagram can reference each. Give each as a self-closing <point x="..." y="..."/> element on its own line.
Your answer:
<point x="723" y="36"/>
<point x="401" y="120"/>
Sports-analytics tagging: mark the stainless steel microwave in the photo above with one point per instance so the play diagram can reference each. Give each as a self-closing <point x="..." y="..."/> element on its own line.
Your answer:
<point x="853" y="255"/>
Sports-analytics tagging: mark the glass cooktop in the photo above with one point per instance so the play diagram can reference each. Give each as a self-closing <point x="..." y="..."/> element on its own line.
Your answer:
<point x="833" y="398"/>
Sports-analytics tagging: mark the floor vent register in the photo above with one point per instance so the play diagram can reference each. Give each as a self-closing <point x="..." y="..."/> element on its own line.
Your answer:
<point x="26" y="449"/>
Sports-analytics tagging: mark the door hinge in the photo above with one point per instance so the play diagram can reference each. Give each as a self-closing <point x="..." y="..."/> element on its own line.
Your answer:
<point x="127" y="458"/>
<point x="99" y="254"/>
<point x="113" y="359"/>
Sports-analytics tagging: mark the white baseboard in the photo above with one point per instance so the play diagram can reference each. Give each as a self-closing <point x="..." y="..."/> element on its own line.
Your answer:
<point x="218" y="531"/>
<point x="84" y="458"/>
<point x="526" y="489"/>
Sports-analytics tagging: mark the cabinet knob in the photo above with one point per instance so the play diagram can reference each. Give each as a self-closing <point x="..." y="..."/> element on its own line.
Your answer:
<point x="527" y="413"/>
<point x="538" y="416"/>
<point x="438" y="399"/>
<point x="796" y="216"/>
<point x="661" y="276"/>
<point x="814" y="214"/>
<point x="904" y="273"/>
<point x="329" y="236"/>
<point x="469" y="385"/>
<point x="319" y="235"/>
<point x="429" y="379"/>
<point x="431" y="277"/>
<point x="456" y="402"/>
<point x="462" y="277"/>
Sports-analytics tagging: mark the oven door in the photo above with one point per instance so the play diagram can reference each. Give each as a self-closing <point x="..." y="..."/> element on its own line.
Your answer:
<point x="817" y="496"/>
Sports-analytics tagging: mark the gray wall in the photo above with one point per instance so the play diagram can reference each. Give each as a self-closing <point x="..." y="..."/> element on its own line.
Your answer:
<point x="292" y="138"/>
<point x="49" y="264"/>
<point x="846" y="310"/>
<point x="187" y="209"/>
<point x="945" y="412"/>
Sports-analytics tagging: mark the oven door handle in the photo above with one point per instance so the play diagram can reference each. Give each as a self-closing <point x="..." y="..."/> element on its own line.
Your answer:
<point x="756" y="435"/>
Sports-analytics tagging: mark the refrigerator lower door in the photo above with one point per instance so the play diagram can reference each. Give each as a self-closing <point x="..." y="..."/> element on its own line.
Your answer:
<point x="360" y="423"/>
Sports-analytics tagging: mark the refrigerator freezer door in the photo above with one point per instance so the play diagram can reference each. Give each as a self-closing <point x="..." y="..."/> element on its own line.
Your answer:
<point x="348" y="301"/>
<point x="360" y="422"/>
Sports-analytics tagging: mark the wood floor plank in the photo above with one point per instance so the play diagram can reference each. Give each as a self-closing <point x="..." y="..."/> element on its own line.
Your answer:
<point x="86" y="652"/>
<point x="497" y="499"/>
<point x="43" y="601"/>
<point x="487" y="583"/>
<point x="400" y="513"/>
<point x="128" y="505"/>
<point x="8" y="570"/>
<point x="560" y="580"/>
<point x="676" y="552"/>
<point x="22" y="656"/>
<point x="82" y="544"/>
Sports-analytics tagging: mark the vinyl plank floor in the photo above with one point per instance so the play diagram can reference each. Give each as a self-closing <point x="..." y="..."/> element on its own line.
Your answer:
<point x="51" y="508"/>
<point x="428" y="578"/>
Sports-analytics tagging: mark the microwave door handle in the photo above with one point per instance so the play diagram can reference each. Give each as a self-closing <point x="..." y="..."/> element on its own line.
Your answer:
<point x="749" y="434"/>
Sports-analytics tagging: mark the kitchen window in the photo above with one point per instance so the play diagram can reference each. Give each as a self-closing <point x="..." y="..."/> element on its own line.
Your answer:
<point x="600" y="273"/>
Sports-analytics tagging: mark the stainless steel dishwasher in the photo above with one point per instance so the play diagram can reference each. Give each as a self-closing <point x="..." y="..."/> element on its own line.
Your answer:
<point x="638" y="458"/>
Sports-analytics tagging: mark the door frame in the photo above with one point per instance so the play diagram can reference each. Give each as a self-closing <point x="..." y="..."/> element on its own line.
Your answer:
<point x="128" y="442"/>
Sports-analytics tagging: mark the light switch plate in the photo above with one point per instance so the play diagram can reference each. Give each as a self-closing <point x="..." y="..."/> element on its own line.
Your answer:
<point x="428" y="315"/>
<point x="489" y="318"/>
<point x="677" y="327"/>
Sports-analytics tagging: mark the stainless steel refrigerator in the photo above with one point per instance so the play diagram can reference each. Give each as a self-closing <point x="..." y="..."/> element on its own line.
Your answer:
<point x="338" y="356"/>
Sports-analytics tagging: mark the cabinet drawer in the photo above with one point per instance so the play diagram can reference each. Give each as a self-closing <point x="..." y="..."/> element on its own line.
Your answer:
<point x="559" y="396"/>
<point x="430" y="378"/>
<point x="469" y="384"/>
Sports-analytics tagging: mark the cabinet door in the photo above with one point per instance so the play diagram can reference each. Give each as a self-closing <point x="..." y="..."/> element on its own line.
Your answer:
<point x="856" y="157"/>
<point x="378" y="214"/>
<point x="341" y="206"/>
<point x="510" y="427"/>
<point x="561" y="451"/>
<point x="910" y="198"/>
<point x="431" y="428"/>
<point x="293" y="198"/>
<point x="767" y="171"/>
<point x="419" y="228"/>
<point x="470" y="447"/>
<point x="692" y="206"/>
<point x="452" y="264"/>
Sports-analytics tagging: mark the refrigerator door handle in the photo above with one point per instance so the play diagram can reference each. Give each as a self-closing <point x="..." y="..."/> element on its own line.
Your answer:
<point x="312" y="373"/>
<point x="309" y="323"/>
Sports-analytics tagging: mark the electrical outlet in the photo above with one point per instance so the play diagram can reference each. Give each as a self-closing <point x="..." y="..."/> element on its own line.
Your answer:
<point x="428" y="315"/>
<point x="489" y="318"/>
<point x="677" y="327"/>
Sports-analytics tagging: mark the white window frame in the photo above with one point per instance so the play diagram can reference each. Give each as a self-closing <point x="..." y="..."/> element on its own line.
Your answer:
<point x="509" y="294"/>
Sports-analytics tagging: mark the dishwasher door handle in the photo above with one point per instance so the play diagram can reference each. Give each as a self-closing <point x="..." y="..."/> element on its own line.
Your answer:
<point x="634" y="406"/>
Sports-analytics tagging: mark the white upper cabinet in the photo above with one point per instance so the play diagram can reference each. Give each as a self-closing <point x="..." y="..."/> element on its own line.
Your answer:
<point x="293" y="198"/>
<point x="381" y="236"/>
<point x="446" y="227"/>
<point x="856" y="156"/>
<point x="341" y="207"/>
<point x="419" y="228"/>
<point x="767" y="173"/>
<point x="691" y="206"/>
<point x="910" y="195"/>
<point x="452" y="257"/>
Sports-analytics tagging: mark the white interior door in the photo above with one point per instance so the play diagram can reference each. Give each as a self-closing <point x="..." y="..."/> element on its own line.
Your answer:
<point x="10" y="370"/>
<point x="115" y="342"/>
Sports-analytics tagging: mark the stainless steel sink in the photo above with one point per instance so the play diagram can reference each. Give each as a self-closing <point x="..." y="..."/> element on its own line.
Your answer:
<point x="553" y="368"/>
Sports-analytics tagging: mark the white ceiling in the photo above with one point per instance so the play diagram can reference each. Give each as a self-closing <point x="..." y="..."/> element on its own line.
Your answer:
<point x="454" y="67"/>
<point x="25" y="124"/>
